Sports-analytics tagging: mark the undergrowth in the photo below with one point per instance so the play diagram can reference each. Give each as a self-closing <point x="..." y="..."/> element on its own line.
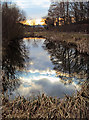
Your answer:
<point x="44" y="107"/>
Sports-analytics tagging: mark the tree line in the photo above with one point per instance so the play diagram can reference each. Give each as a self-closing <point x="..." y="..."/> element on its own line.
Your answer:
<point x="68" y="12"/>
<point x="11" y="17"/>
<point x="13" y="49"/>
<point x="72" y="62"/>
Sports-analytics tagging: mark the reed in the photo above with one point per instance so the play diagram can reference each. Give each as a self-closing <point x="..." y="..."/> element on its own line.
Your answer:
<point x="80" y="40"/>
<point x="46" y="107"/>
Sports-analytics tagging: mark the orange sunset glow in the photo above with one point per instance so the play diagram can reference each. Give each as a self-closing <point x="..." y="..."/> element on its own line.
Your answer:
<point x="34" y="22"/>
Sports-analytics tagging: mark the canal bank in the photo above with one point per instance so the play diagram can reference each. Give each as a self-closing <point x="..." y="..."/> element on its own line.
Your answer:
<point x="80" y="40"/>
<point x="44" y="107"/>
<point x="65" y="61"/>
<point x="52" y="68"/>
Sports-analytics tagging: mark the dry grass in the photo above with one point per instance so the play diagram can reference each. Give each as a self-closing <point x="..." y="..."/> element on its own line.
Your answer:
<point x="79" y="39"/>
<point x="45" y="107"/>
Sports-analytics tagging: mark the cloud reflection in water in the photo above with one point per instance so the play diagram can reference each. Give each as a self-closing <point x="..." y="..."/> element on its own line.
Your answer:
<point x="36" y="82"/>
<point x="40" y="76"/>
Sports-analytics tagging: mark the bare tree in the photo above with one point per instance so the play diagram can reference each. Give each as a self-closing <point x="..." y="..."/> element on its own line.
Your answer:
<point x="11" y="17"/>
<point x="78" y="11"/>
<point x="13" y="50"/>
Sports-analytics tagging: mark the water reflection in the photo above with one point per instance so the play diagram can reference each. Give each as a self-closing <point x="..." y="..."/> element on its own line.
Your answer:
<point x="68" y="63"/>
<point x="53" y="69"/>
<point x="13" y="59"/>
<point x="50" y="67"/>
<point x="40" y="59"/>
<point x="41" y="85"/>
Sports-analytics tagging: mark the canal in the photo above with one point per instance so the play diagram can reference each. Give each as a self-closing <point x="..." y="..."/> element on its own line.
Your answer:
<point x="52" y="68"/>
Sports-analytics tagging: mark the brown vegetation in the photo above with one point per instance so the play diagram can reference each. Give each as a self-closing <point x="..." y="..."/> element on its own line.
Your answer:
<point x="13" y="50"/>
<point x="68" y="12"/>
<point x="80" y="40"/>
<point x="44" y="107"/>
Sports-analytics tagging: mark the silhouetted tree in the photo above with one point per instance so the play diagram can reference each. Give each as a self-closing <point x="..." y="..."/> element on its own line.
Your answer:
<point x="67" y="60"/>
<point x="11" y="17"/>
<point x="49" y="22"/>
<point x="13" y="49"/>
<point x="66" y="10"/>
<point x="59" y="9"/>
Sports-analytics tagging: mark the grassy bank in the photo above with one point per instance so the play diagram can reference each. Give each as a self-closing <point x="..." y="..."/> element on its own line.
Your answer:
<point x="80" y="40"/>
<point x="45" y="107"/>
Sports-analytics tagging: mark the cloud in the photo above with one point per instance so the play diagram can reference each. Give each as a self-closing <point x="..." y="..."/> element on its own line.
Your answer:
<point x="34" y="75"/>
<point x="31" y="3"/>
<point x="44" y="85"/>
<point x="44" y="82"/>
<point x="55" y="89"/>
<point x="34" y="8"/>
<point x="27" y="91"/>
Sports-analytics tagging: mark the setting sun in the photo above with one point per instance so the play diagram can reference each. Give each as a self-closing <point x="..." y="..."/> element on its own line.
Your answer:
<point x="34" y="22"/>
<point x="40" y="22"/>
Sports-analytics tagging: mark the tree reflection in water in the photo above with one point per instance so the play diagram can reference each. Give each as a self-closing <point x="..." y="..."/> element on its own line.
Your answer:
<point x="67" y="61"/>
<point x="13" y="49"/>
<point x="14" y="55"/>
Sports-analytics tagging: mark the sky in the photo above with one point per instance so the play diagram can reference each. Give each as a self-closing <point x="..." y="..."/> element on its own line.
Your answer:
<point x="33" y="8"/>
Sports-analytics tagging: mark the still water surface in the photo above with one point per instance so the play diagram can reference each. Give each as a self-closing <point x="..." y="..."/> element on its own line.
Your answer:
<point x="52" y="69"/>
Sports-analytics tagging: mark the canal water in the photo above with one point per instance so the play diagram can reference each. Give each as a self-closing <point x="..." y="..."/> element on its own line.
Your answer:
<point x="52" y="68"/>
